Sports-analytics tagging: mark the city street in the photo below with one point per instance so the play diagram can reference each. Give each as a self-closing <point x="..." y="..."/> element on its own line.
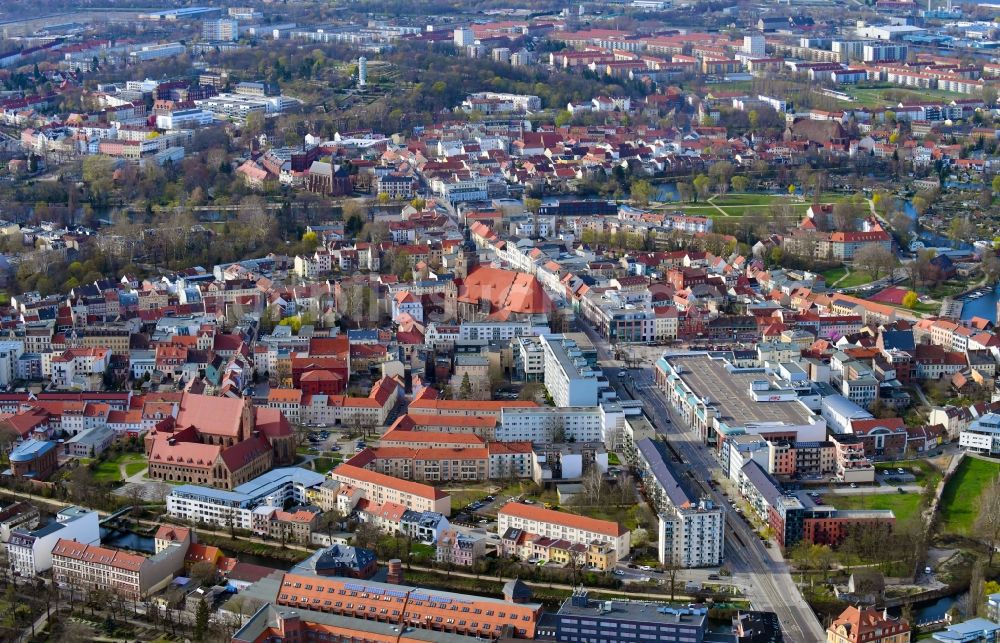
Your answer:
<point x="761" y="571"/>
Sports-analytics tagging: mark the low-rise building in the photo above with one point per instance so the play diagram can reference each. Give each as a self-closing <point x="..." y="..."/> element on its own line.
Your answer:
<point x="131" y="576"/>
<point x="30" y="552"/>
<point x="381" y="488"/>
<point x="560" y="524"/>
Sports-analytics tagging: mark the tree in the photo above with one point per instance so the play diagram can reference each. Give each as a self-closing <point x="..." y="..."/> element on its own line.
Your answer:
<point x="366" y="535"/>
<point x="876" y="260"/>
<point x="988" y="519"/>
<point x="643" y="192"/>
<point x="722" y="172"/>
<point x="702" y="184"/>
<point x="418" y="203"/>
<point x="739" y="183"/>
<point x="465" y="389"/>
<point x="685" y="191"/>
<point x="201" y="621"/>
<point x="991" y="267"/>
<point x="310" y="240"/>
<point x="910" y="300"/>
<point x="996" y="184"/>
<point x="960" y="229"/>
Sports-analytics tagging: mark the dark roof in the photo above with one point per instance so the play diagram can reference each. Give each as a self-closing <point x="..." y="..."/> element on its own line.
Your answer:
<point x="655" y="454"/>
<point x="758" y="627"/>
<point x="900" y="339"/>
<point x="767" y="486"/>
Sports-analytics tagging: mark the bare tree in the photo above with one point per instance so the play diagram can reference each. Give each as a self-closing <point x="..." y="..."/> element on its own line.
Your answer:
<point x="988" y="520"/>
<point x="876" y="260"/>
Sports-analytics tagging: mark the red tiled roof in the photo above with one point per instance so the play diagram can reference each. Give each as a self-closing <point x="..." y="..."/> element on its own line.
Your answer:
<point x="540" y="514"/>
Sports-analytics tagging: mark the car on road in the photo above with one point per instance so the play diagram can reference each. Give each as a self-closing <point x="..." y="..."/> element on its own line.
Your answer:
<point x="335" y="447"/>
<point x="854" y="485"/>
<point x="622" y="373"/>
<point x="619" y="572"/>
<point x="484" y="522"/>
<point x="713" y="577"/>
<point x="645" y="568"/>
<point x="928" y="571"/>
<point x="900" y="470"/>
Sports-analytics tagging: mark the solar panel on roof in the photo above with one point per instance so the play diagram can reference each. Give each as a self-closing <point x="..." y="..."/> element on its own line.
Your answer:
<point x="395" y="593"/>
<point x="355" y="588"/>
<point x="419" y="597"/>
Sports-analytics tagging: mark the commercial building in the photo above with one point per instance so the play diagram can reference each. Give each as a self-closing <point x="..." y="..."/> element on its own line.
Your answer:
<point x="691" y="530"/>
<point x="560" y="524"/>
<point x="720" y="399"/>
<point x="581" y="620"/>
<point x="131" y="576"/>
<point x="30" y="552"/>
<point x="569" y="379"/>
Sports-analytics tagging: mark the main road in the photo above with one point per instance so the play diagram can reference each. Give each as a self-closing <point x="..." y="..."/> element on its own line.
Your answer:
<point x="770" y="586"/>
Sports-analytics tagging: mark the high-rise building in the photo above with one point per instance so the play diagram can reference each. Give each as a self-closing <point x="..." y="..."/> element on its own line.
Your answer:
<point x="753" y="45"/>
<point x="223" y="29"/>
<point x="362" y="71"/>
<point x="464" y="37"/>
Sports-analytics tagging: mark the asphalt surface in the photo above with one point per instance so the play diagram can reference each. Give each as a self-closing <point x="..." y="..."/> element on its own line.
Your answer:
<point x="762" y="571"/>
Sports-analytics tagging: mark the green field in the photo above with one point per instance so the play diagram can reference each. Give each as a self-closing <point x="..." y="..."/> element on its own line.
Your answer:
<point x="110" y="470"/>
<point x="960" y="500"/>
<point x="876" y="96"/>
<point x="833" y="274"/>
<point x="133" y="468"/>
<point x="856" y="278"/>
<point x="903" y="505"/>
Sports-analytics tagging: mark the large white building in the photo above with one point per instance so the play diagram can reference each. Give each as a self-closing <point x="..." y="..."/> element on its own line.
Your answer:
<point x="221" y="29"/>
<point x="690" y="530"/>
<point x="30" y="552"/>
<point x="196" y="504"/>
<point x="982" y="436"/>
<point x="568" y="377"/>
<point x="563" y="525"/>
<point x="753" y="45"/>
<point x="547" y="424"/>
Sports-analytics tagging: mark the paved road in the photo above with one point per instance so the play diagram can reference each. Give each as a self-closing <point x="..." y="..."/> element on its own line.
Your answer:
<point x="768" y="585"/>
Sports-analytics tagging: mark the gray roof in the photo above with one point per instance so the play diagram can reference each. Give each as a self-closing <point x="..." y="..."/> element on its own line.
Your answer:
<point x="767" y="486"/>
<point x="655" y="454"/>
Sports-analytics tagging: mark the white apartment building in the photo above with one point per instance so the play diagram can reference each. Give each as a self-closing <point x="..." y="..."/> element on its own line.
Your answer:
<point x="690" y="531"/>
<point x="531" y="358"/>
<point x="982" y="436"/>
<point x="10" y="352"/>
<point x="546" y="424"/>
<point x="30" y="552"/>
<point x="560" y="524"/>
<point x="568" y="378"/>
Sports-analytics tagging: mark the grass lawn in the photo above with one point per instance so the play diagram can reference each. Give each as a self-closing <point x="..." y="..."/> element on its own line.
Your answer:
<point x="133" y="468"/>
<point x="959" y="502"/>
<point x="110" y="470"/>
<point x="107" y="472"/>
<point x="876" y="96"/>
<point x="420" y="549"/>
<point x="833" y="274"/>
<point x="903" y="505"/>
<point x="856" y="278"/>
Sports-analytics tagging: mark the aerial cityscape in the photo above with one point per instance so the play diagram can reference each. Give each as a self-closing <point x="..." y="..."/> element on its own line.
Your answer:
<point x="421" y="321"/>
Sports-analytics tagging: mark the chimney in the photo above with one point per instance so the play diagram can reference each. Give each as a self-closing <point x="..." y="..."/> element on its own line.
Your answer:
<point x="394" y="571"/>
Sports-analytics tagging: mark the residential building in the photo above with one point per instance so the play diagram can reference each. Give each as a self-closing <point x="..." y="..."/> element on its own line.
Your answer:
<point x="381" y="488"/>
<point x="30" y="552"/>
<point x="868" y="625"/>
<point x="568" y="378"/>
<point x="691" y="530"/>
<point x="460" y="549"/>
<point x="560" y="524"/>
<point x="131" y="576"/>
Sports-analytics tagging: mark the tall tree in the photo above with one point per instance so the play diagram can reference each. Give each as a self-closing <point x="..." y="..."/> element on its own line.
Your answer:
<point x="988" y="520"/>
